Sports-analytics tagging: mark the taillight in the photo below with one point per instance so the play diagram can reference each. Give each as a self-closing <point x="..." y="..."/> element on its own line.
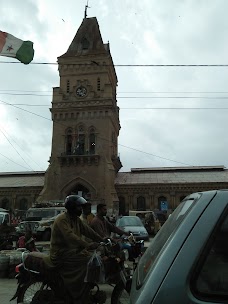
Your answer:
<point x="17" y="268"/>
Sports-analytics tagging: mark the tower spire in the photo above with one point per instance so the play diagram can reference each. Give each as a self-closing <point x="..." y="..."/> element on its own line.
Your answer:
<point x="86" y="9"/>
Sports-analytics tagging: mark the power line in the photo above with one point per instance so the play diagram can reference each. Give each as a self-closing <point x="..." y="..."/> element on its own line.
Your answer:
<point x="98" y="136"/>
<point x="13" y="161"/>
<point x="25" y="94"/>
<point x="126" y="65"/>
<point x="19" y="147"/>
<point x="174" y="108"/>
<point x="135" y="92"/>
<point x="130" y="97"/>
<point x="141" y="108"/>
<point x="16" y="150"/>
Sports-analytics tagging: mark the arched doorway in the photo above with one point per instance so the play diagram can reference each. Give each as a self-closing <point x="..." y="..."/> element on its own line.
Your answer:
<point x="23" y="204"/>
<point x="81" y="190"/>
<point x="141" y="203"/>
<point x="5" y="203"/>
<point x="162" y="203"/>
<point x="122" y="206"/>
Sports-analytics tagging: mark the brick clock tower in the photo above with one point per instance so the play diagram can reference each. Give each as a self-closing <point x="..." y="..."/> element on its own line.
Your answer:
<point x="84" y="158"/>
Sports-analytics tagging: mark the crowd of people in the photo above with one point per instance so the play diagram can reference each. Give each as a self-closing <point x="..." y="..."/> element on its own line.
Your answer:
<point x="75" y="235"/>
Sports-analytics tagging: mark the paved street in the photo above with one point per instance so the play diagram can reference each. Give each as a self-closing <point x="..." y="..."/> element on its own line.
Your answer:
<point x="8" y="286"/>
<point x="7" y="289"/>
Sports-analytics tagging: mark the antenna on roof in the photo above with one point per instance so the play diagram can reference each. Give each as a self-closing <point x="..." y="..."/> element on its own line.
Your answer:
<point x="86" y="9"/>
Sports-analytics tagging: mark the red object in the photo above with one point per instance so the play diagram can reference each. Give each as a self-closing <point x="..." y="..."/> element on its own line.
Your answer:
<point x="17" y="268"/>
<point x="21" y="242"/>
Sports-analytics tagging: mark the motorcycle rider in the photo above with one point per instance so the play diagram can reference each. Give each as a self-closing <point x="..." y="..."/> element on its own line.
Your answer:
<point x="69" y="251"/>
<point x="87" y="216"/>
<point x="102" y="226"/>
<point x="27" y="241"/>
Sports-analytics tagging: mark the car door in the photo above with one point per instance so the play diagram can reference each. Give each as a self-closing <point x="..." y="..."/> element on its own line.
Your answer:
<point x="164" y="247"/>
<point x="198" y="275"/>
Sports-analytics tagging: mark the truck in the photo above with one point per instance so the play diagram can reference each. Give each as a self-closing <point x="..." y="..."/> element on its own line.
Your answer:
<point x="4" y="216"/>
<point x="39" y="220"/>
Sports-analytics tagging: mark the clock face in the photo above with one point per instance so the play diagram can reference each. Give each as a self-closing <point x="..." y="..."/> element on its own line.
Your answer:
<point x="81" y="91"/>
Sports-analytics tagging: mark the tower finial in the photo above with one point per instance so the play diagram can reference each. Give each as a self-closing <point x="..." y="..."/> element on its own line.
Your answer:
<point x="86" y="9"/>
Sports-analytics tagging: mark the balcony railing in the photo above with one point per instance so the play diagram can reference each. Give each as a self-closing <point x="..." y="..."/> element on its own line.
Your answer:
<point x="78" y="160"/>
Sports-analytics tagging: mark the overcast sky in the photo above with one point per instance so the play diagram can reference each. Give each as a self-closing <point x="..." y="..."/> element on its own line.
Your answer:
<point x="160" y="122"/>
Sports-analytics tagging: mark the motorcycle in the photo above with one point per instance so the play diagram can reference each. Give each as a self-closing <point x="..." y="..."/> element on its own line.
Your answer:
<point x="26" y="243"/>
<point x="39" y="284"/>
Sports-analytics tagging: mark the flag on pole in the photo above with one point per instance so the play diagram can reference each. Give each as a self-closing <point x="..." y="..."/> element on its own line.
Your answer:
<point x="11" y="46"/>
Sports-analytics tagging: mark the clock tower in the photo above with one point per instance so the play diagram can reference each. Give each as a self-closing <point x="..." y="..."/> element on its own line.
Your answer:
<point x="84" y="157"/>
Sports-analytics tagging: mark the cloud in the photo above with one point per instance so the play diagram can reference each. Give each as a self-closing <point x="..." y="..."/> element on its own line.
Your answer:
<point x="139" y="32"/>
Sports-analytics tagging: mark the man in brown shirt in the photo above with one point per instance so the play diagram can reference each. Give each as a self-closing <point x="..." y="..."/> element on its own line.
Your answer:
<point x="102" y="226"/>
<point x="68" y="251"/>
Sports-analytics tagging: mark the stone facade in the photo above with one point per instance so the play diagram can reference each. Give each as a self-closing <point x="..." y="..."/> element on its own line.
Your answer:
<point x="139" y="189"/>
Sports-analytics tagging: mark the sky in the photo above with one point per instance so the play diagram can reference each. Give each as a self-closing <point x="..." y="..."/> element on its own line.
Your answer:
<point x="170" y="116"/>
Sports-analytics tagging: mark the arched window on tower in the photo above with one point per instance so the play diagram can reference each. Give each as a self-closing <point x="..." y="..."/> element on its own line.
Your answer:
<point x="69" y="142"/>
<point x="92" y="141"/>
<point x="141" y="203"/>
<point x="98" y="84"/>
<point x="85" y="43"/>
<point x="80" y="144"/>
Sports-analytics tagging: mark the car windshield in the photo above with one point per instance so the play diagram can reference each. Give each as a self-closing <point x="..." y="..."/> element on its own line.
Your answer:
<point x="41" y="213"/>
<point x="156" y="245"/>
<point x="129" y="221"/>
<point x="1" y="218"/>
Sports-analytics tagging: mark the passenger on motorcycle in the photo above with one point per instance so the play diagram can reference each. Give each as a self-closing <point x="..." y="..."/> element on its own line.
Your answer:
<point x="102" y="226"/>
<point x="86" y="217"/>
<point x="68" y="250"/>
<point x="27" y="241"/>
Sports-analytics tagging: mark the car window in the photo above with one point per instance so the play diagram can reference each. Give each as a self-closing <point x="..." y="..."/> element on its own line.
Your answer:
<point x="210" y="279"/>
<point x="7" y="218"/>
<point x="129" y="221"/>
<point x="42" y="213"/>
<point x="147" y="261"/>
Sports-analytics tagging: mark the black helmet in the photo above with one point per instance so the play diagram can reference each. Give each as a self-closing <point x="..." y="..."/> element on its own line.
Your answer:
<point x="73" y="201"/>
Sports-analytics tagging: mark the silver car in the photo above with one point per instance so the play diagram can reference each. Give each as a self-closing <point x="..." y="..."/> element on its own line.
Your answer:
<point x="134" y="225"/>
<point x="187" y="261"/>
